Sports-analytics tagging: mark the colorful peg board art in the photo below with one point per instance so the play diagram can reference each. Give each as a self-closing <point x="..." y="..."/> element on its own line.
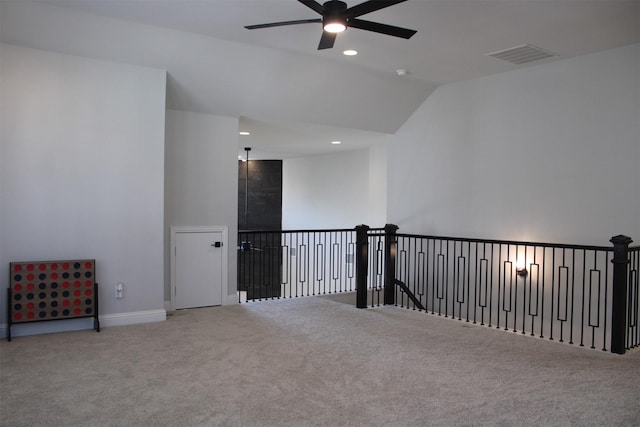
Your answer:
<point x="51" y="290"/>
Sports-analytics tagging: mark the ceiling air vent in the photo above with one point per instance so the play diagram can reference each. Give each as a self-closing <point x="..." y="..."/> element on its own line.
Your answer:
<point x="522" y="54"/>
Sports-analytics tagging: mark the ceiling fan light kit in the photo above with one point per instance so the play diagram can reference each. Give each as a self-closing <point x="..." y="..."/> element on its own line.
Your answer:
<point x="333" y="20"/>
<point x="337" y="17"/>
<point x="335" y="27"/>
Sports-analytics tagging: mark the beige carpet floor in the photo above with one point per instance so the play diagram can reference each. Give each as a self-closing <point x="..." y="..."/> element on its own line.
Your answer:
<point x="313" y="361"/>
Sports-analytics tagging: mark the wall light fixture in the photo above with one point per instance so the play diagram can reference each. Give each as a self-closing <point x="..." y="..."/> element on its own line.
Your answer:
<point x="521" y="269"/>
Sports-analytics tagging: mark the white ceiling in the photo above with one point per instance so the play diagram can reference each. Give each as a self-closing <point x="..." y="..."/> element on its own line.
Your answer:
<point x="296" y="98"/>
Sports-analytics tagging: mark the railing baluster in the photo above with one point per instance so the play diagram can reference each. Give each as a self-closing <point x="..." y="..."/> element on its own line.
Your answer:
<point x="490" y="266"/>
<point x="468" y="268"/>
<point x="544" y="253"/>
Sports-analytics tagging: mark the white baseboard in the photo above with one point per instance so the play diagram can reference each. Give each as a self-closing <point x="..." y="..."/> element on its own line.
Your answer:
<point x="233" y="298"/>
<point x="122" y="319"/>
<point x="240" y="296"/>
<point x="107" y="320"/>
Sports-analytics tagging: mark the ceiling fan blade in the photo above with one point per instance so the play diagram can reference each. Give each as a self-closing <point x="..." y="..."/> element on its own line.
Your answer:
<point x="327" y="40"/>
<point x="311" y="4"/>
<point x="390" y="30"/>
<point x="283" y="23"/>
<point x="370" y="6"/>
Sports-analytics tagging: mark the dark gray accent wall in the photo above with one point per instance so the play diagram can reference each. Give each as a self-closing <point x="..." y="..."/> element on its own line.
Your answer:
<point x="265" y="195"/>
<point x="264" y="213"/>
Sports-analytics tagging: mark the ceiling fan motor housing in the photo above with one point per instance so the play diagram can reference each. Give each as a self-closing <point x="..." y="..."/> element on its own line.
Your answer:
<point x="334" y="13"/>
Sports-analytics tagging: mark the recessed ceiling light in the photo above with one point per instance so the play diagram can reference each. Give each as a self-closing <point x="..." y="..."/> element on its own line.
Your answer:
<point x="244" y="133"/>
<point x="336" y="142"/>
<point x="402" y="72"/>
<point x="350" y="52"/>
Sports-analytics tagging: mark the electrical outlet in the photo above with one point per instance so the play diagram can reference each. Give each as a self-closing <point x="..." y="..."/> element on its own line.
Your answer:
<point x="119" y="290"/>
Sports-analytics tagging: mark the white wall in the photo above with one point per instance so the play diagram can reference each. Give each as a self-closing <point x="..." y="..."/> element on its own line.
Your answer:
<point x="544" y="153"/>
<point x="377" y="213"/>
<point x="333" y="191"/>
<point x="201" y="180"/>
<point x="82" y="172"/>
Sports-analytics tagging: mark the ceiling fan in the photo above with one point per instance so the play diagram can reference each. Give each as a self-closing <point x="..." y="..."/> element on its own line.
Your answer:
<point x="336" y="17"/>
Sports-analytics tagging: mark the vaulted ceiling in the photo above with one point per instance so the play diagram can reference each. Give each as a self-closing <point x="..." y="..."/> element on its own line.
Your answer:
<point x="294" y="97"/>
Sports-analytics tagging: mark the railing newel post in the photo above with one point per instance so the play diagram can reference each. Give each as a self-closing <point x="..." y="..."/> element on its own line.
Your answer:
<point x="619" y="299"/>
<point x="362" y="264"/>
<point x="390" y="253"/>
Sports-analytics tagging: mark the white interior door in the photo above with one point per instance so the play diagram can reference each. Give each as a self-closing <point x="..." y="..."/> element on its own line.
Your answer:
<point x="198" y="269"/>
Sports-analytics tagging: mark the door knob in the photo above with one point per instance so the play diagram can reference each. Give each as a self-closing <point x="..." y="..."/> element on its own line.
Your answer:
<point x="217" y="244"/>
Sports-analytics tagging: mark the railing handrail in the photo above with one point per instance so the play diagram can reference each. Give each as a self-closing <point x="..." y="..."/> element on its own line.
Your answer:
<point x="315" y="230"/>
<point x="451" y="238"/>
<point x="510" y="242"/>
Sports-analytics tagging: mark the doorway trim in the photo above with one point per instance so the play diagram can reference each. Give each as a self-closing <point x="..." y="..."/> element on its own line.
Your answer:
<point x="174" y="230"/>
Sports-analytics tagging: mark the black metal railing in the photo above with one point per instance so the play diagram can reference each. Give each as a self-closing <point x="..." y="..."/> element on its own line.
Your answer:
<point x="555" y="291"/>
<point x="277" y="264"/>
<point x="584" y="295"/>
<point x="296" y="263"/>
